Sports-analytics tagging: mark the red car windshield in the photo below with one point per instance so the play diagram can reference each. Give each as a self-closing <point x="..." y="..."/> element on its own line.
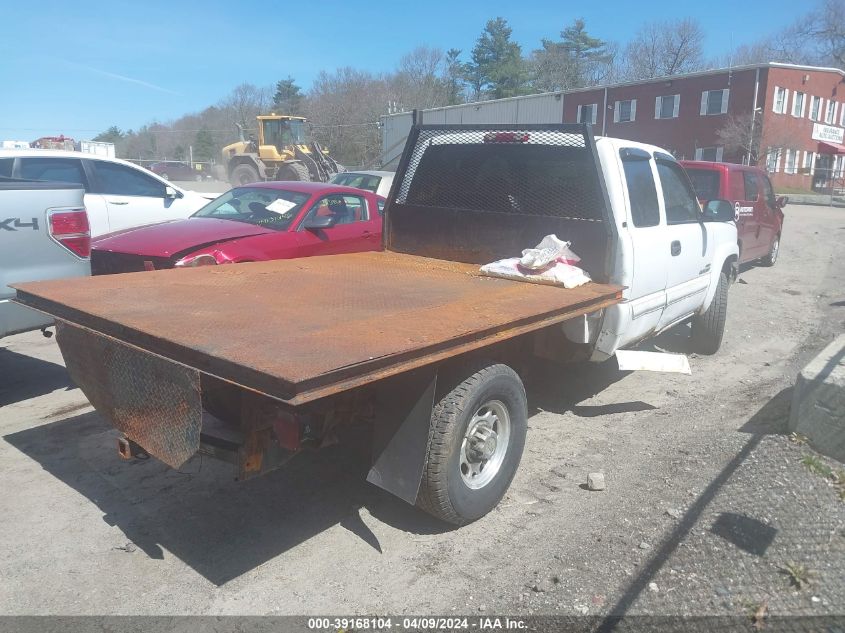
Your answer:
<point x="271" y="208"/>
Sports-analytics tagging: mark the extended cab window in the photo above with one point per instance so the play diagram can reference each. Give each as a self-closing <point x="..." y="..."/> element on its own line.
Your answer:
<point x="57" y="169"/>
<point x="678" y="196"/>
<point x="120" y="180"/>
<point x="641" y="190"/>
<point x="6" y="165"/>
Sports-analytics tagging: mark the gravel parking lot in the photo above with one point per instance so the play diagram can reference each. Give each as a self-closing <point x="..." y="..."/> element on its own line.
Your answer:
<point x="707" y="509"/>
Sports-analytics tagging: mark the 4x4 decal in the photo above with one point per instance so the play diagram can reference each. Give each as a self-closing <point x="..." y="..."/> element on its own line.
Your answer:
<point x="13" y="224"/>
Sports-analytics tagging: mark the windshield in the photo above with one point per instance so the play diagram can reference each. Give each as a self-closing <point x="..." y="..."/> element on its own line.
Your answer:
<point x="367" y="182"/>
<point x="280" y="132"/>
<point x="705" y="182"/>
<point x="272" y="208"/>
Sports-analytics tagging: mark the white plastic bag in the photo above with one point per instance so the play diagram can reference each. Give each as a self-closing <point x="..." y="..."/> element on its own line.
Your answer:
<point x="548" y="251"/>
<point x="550" y="262"/>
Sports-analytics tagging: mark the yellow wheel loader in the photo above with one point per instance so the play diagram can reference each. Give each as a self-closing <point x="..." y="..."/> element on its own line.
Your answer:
<point x="284" y="150"/>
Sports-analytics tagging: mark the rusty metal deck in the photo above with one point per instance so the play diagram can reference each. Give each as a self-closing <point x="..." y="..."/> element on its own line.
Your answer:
<point x="302" y="329"/>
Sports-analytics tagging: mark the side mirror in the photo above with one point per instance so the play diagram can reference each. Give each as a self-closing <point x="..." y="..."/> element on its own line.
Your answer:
<point x="719" y="211"/>
<point x="782" y="201"/>
<point x="171" y="193"/>
<point x="318" y="222"/>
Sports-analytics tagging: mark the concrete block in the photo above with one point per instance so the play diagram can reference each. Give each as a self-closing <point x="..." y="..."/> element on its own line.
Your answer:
<point x="818" y="402"/>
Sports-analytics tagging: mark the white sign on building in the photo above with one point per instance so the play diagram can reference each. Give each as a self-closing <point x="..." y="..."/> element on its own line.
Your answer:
<point x="828" y="133"/>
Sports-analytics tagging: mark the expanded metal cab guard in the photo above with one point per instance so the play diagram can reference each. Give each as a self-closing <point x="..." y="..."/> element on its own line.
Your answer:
<point x="478" y="193"/>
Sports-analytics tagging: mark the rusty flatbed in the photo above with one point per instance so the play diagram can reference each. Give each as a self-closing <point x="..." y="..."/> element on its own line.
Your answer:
<point x="299" y="330"/>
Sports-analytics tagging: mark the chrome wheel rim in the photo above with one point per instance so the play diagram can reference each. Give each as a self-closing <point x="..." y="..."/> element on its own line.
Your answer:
<point x="775" y="248"/>
<point x="485" y="444"/>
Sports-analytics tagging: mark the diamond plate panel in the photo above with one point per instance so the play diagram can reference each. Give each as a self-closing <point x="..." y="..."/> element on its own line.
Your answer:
<point x="154" y="402"/>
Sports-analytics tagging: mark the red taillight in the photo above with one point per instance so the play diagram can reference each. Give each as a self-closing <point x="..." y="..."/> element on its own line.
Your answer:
<point x="71" y="230"/>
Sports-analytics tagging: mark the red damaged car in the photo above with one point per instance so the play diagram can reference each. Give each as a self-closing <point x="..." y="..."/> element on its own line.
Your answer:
<point x="257" y="222"/>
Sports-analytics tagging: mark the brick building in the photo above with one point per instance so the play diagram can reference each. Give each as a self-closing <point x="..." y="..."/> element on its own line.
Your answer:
<point x="797" y="130"/>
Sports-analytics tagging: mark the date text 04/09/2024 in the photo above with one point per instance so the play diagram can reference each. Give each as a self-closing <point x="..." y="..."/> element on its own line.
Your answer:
<point x="423" y="623"/>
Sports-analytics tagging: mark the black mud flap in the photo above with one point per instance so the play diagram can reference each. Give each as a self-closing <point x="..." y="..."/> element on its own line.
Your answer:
<point x="155" y="402"/>
<point x="402" y="429"/>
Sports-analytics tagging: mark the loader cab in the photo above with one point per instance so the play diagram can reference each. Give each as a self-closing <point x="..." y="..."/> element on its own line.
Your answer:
<point x="282" y="132"/>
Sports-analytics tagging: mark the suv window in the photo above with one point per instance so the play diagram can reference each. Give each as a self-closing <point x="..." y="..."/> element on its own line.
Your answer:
<point x="6" y="165"/>
<point x="751" y="188"/>
<point x="706" y="182"/>
<point x="120" y="180"/>
<point x="641" y="192"/>
<point x="678" y="196"/>
<point x="58" y="169"/>
<point x="769" y="193"/>
<point x="348" y="209"/>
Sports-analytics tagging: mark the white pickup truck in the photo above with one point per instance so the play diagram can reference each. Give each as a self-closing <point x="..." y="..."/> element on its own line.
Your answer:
<point x="43" y="235"/>
<point x="414" y="339"/>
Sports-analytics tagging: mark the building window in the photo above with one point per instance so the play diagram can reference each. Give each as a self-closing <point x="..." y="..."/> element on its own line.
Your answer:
<point x="625" y="111"/>
<point x="816" y="108"/>
<point x="789" y="166"/>
<point x="714" y="102"/>
<point x="798" y="104"/>
<point x="587" y="113"/>
<point x="773" y="160"/>
<point x="830" y="114"/>
<point x="667" y="106"/>
<point x="712" y="154"/>
<point x="807" y="167"/>
<point x="780" y="101"/>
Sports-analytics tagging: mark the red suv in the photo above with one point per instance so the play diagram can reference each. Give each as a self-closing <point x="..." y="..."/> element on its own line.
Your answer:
<point x="759" y="215"/>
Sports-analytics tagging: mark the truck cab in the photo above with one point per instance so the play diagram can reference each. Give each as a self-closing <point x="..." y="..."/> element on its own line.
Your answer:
<point x="758" y="212"/>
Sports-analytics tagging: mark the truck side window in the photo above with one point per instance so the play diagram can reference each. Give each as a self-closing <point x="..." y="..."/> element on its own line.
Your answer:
<point x="56" y="169"/>
<point x="641" y="192"/>
<point x="119" y="180"/>
<point x="678" y="196"/>
<point x="751" y="190"/>
<point x="6" y="167"/>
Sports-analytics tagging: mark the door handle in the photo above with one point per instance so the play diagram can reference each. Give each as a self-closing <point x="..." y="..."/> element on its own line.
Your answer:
<point x="676" y="248"/>
<point x="116" y="202"/>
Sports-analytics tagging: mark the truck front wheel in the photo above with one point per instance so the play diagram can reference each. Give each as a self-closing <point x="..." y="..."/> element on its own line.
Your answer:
<point x="478" y="433"/>
<point x="708" y="327"/>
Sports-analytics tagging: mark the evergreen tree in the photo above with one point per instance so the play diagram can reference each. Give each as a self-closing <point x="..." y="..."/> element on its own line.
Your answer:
<point x="288" y="98"/>
<point x="497" y="68"/>
<point x="204" y="148"/>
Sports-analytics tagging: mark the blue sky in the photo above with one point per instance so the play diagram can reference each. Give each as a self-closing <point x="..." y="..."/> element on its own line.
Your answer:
<point x="78" y="67"/>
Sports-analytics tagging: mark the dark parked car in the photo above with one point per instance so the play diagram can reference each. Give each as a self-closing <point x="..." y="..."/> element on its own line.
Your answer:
<point x="174" y="170"/>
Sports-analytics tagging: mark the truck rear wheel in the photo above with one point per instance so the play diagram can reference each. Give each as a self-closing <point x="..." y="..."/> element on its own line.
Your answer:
<point x="708" y="327"/>
<point x="243" y="175"/>
<point x="294" y="171"/>
<point x="478" y="433"/>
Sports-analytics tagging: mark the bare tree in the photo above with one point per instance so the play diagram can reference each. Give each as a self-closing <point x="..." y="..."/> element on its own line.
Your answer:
<point x="418" y="81"/>
<point x="344" y="108"/>
<point x="660" y="49"/>
<point x="823" y="33"/>
<point x="740" y="136"/>
<point x="245" y="102"/>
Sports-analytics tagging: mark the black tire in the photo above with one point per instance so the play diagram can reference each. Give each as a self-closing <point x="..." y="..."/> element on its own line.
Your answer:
<point x="444" y="491"/>
<point x="708" y="327"/>
<point x="774" y="249"/>
<point x="294" y="171"/>
<point x="165" y="176"/>
<point x="198" y="178"/>
<point x="243" y="174"/>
